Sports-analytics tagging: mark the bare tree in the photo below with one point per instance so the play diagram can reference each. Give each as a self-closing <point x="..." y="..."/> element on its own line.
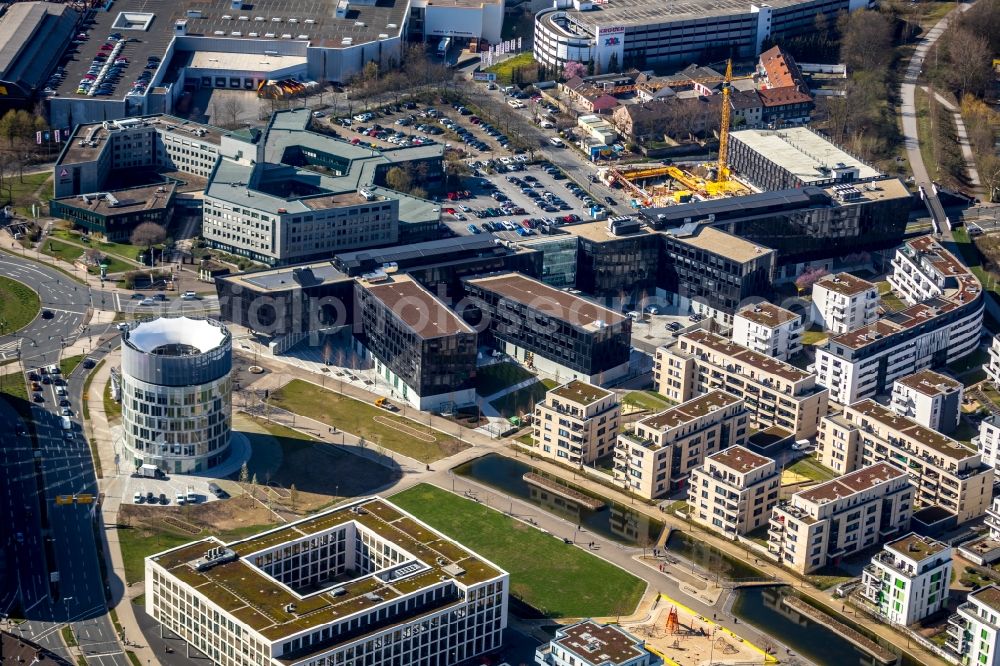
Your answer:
<point x="147" y="235"/>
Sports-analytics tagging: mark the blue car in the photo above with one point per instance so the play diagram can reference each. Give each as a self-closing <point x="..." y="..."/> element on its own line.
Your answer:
<point x="474" y="229"/>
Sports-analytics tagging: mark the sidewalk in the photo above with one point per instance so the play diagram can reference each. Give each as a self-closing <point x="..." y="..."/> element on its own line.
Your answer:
<point x="99" y="430"/>
<point x="963" y="138"/>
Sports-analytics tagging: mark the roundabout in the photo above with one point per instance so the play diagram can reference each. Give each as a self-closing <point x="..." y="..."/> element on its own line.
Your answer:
<point x="19" y="305"/>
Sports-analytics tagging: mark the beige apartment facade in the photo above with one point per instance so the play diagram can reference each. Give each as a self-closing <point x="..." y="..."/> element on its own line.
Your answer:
<point x="820" y="525"/>
<point x="945" y="472"/>
<point x="577" y="423"/>
<point x="658" y="454"/>
<point x="775" y="393"/>
<point x="734" y="491"/>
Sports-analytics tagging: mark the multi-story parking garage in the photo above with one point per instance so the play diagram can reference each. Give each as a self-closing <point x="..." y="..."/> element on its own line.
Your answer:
<point x="635" y="33"/>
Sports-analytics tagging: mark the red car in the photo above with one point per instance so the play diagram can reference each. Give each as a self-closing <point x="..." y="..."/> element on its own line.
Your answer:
<point x="355" y="141"/>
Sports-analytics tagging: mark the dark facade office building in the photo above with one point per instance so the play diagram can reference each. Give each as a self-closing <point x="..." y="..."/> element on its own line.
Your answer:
<point x="554" y="331"/>
<point x="419" y="346"/>
<point x="614" y="266"/>
<point x="808" y="225"/>
<point x="713" y="273"/>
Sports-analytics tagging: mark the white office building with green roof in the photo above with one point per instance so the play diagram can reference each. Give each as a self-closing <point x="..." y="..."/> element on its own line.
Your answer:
<point x="363" y="584"/>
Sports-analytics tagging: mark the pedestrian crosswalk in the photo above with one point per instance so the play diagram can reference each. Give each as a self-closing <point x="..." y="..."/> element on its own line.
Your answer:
<point x="9" y="349"/>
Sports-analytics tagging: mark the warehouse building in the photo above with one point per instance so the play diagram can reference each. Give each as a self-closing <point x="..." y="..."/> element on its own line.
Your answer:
<point x="32" y="35"/>
<point x="630" y="33"/>
<point x="365" y="582"/>
<point x="559" y="333"/>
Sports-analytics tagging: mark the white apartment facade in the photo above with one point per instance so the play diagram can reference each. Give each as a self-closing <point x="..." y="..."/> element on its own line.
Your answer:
<point x="909" y="579"/>
<point x="577" y="423"/>
<point x="931" y="399"/>
<point x="832" y="520"/>
<point x="945" y="472"/>
<point x="775" y="392"/>
<point x="340" y="587"/>
<point x="842" y="302"/>
<point x="938" y="330"/>
<point x="658" y="454"/>
<point x="733" y="491"/>
<point x="589" y="643"/>
<point x="768" y="329"/>
<point x="993" y="367"/>
<point x="973" y="631"/>
<point x="988" y="443"/>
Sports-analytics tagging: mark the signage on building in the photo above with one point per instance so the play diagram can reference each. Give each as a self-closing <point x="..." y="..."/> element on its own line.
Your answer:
<point x="484" y="76"/>
<point x="612" y="41"/>
<point x="612" y="30"/>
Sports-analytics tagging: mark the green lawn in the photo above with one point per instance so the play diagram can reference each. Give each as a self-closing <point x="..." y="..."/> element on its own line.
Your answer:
<point x="68" y="364"/>
<point x="112" y="408"/>
<point x="114" y="253"/>
<point x="523" y="400"/>
<point x="358" y="418"/>
<point x="59" y="250"/>
<point x="556" y="578"/>
<point x="827" y="577"/>
<point x="494" y="378"/>
<point x="888" y="298"/>
<point x="814" y="337"/>
<point x="23" y="193"/>
<point x="18" y="305"/>
<point x="505" y="69"/>
<point x="810" y="468"/>
<point x="648" y="400"/>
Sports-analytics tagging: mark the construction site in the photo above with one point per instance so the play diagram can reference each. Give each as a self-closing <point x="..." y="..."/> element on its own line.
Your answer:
<point x="654" y="185"/>
<point x="686" y="639"/>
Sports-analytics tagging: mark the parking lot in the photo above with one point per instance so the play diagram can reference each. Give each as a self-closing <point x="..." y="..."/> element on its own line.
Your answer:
<point x="528" y="193"/>
<point x="169" y="487"/>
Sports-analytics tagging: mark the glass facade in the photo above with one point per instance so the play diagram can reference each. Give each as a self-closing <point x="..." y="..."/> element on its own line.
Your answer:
<point x="558" y="260"/>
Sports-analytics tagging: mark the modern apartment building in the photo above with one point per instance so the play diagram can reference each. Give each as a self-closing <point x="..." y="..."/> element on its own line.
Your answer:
<point x="363" y="583"/>
<point x="557" y="332"/>
<point x="974" y="629"/>
<point x="820" y="525"/>
<point x="711" y="272"/>
<point x="842" y="302"/>
<point x="421" y="349"/>
<point x="988" y="443"/>
<point x="589" y="643"/>
<point x="946" y="473"/>
<point x="577" y="423"/>
<point x="733" y="491"/>
<point x="993" y="367"/>
<point x="908" y="580"/>
<point x="768" y="329"/>
<point x="931" y="399"/>
<point x="656" y="456"/>
<point x="942" y="324"/>
<point x="775" y="393"/>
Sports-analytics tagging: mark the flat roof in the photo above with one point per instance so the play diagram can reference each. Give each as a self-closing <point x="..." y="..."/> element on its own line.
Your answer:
<point x="690" y="410"/>
<point x="419" y="309"/>
<point x="844" y="284"/>
<point x="719" y="242"/>
<point x="916" y="547"/>
<point x="849" y="484"/>
<point x="930" y="383"/>
<point x="598" y="231"/>
<point x="600" y="643"/>
<point x="30" y="32"/>
<point x="767" y="314"/>
<point x="802" y="152"/>
<point x="757" y="360"/>
<point x="740" y="459"/>
<point x="553" y="302"/>
<point x="145" y="197"/>
<point x="988" y="596"/>
<point x="240" y="62"/>
<point x="262" y="603"/>
<point x="78" y="152"/>
<point x="641" y="13"/>
<point x="580" y="391"/>
<point x="306" y="22"/>
<point x="909" y="428"/>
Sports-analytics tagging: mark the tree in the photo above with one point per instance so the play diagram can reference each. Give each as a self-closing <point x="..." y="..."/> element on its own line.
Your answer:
<point x="809" y="276"/>
<point x="574" y="69"/>
<point x="147" y="235"/>
<point x="989" y="174"/>
<point x="93" y="257"/>
<point x="867" y="41"/>
<point x="969" y="55"/>
<point x="398" y="179"/>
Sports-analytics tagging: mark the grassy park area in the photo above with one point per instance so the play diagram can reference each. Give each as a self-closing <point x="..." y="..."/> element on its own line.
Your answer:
<point x="810" y="468"/>
<point x="505" y="70"/>
<point x="19" y="304"/>
<point x="493" y="378"/>
<point x="648" y="400"/>
<point x="523" y="400"/>
<point x="558" y="579"/>
<point x="378" y="426"/>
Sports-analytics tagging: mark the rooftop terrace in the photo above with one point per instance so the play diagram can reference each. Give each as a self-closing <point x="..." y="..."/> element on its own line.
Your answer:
<point x="580" y="392"/>
<point x="916" y="547"/>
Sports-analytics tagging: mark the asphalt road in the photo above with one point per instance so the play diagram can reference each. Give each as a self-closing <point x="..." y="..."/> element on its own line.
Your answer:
<point x="52" y="548"/>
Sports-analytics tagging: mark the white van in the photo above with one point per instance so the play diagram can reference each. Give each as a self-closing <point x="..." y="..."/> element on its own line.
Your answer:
<point x="556" y="141"/>
<point x="635" y="316"/>
<point x="545" y="124"/>
<point x="67" y="424"/>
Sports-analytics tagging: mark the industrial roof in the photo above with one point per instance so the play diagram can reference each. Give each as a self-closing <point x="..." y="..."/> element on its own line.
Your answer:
<point x="643" y="14"/>
<point x="762" y="203"/>
<point x="802" y="152"/>
<point x="122" y="202"/>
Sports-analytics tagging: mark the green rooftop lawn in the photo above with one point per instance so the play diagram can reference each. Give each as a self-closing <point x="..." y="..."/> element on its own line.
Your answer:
<point x="19" y="304"/>
<point x="377" y="426"/>
<point x="558" y="579"/>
